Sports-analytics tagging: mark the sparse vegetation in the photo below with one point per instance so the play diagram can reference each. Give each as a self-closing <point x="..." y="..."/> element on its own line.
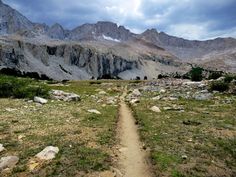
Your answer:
<point x="229" y="78"/>
<point x="187" y="142"/>
<point x="220" y="86"/>
<point x="215" y="75"/>
<point x="84" y="139"/>
<point x="206" y="145"/>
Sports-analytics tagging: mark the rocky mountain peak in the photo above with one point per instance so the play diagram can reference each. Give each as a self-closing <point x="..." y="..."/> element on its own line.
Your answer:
<point x="12" y="21"/>
<point x="56" y="31"/>
<point x="102" y="29"/>
<point x="151" y="35"/>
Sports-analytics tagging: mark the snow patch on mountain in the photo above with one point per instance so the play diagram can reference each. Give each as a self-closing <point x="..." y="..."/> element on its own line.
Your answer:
<point x="110" y="38"/>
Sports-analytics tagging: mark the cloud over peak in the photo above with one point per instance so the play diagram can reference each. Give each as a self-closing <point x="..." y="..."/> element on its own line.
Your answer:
<point x="192" y="19"/>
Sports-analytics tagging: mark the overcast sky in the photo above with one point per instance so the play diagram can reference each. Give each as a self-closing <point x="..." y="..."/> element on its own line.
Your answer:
<point x="191" y="19"/>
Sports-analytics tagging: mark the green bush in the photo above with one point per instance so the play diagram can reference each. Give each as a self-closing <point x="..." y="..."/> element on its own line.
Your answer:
<point x="21" y="88"/>
<point x="215" y="75"/>
<point x="220" y="86"/>
<point x="229" y="78"/>
<point x="196" y="74"/>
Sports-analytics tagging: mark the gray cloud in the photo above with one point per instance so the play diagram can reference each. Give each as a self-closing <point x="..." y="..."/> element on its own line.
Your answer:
<point x="192" y="19"/>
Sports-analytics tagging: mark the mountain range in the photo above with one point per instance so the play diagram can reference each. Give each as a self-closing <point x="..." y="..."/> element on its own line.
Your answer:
<point x="103" y="50"/>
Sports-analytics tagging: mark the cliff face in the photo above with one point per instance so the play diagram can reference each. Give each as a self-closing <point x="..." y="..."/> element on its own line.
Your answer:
<point x="67" y="60"/>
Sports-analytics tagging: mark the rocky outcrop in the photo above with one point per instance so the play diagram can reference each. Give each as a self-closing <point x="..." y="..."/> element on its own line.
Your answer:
<point x="56" y="32"/>
<point x="100" y="30"/>
<point x="73" y="61"/>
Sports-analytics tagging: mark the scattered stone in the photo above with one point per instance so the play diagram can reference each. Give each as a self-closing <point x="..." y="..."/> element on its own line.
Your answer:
<point x="111" y="100"/>
<point x="173" y="98"/>
<point x="48" y="153"/>
<point x="192" y="83"/>
<point x="155" y="109"/>
<point x="203" y="96"/>
<point x="10" y="109"/>
<point x="117" y="172"/>
<point x="94" y="111"/>
<point x="204" y="91"/>
<point x="20" y="137"/>
<point x="64" y="96"/>
<point x="190" y="122"/>
<point x="102" y="93"/>
<point x="8" y="162"/>
<point x="162" y="91"/>
<point x="1" y="148"/>
<point x="134" y="101"/>
<point x="174" y="108"/>
<point x="221" y="78"/>
<point x="190" y="140"/>
<point x="201" y="86"/>
<point x="40" y="100"/>
<point x="184" y="157"/>
<point x="136" y="92"/>
<point x="156" y="98"/>
<point x="167" y="108"/>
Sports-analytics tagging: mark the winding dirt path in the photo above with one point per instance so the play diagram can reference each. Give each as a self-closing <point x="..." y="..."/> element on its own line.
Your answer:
<point x="132" y="158"/>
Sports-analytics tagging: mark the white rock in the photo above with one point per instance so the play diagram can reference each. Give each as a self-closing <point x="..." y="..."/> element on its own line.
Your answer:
<point x="1" y="148"/>
<point x="155" y="109"/>
<point x="173" y="98"/>
<point x="48" y="153"/>
<point x="8" y="162"/>
<point x="64" y="96"/>
<point x="136" y="92"/>
<point x="102" y="93"/>
<point x="202" y="97"/>
<point x="221" y="78"/>
<point x="72" y="97"/>
<point x="184" y="157"/>
<point x="162" y="91"/>
<point x="192" y="83"/>
<point x="40" y="100"/>
<point x="167" y="108"/>
<point x="156" y="98"/>
<point x="133" y="101"/>
<point x="94" y="111"/>
<point x="10" y="109"/>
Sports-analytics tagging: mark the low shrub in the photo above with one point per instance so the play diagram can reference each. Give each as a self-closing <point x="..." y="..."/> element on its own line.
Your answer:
<point x="21" y="88"/>
<point x="196" y="74"/>
<point x="229" y="78"/>
<point x="220" y="86"/>
<point x="215" y="75"/>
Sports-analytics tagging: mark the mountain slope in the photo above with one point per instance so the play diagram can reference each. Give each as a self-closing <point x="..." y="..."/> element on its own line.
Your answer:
<point x="61" y="60"/>
<point x="12" y="21"/>
<point x="102" y="50"/>
<point x="188" y="49"/>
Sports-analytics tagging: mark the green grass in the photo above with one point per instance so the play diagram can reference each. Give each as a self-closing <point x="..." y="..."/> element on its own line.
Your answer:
<point x="210" y="139"/>
<point x="84" y="139"/>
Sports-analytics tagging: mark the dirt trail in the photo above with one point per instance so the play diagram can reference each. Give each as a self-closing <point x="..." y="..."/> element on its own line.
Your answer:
<point x="132" y="157"/>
